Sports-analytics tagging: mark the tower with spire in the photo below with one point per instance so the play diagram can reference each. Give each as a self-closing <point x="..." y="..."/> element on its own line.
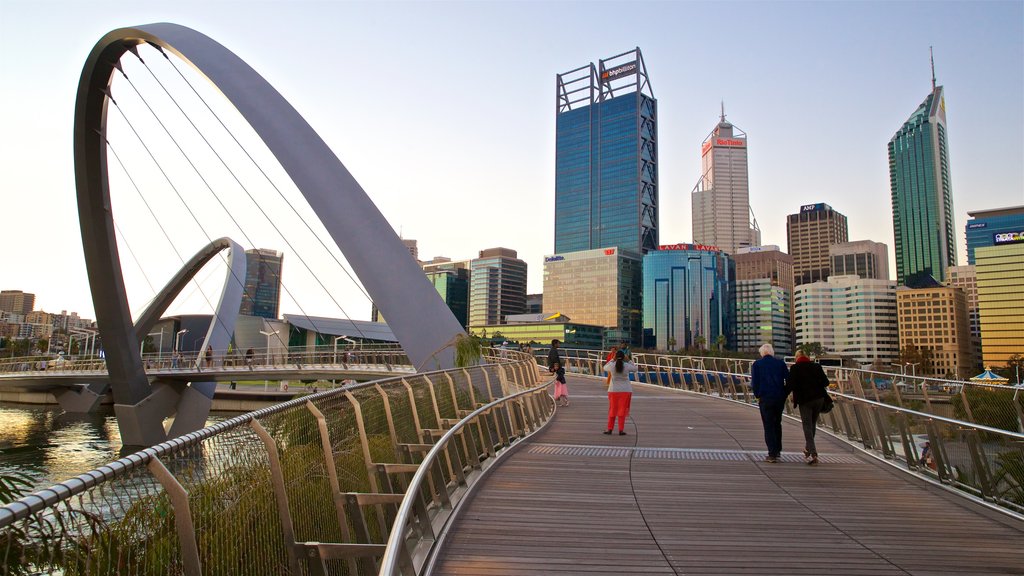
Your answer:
<point x="922" y="193"/>
<point x="721" y="198"/>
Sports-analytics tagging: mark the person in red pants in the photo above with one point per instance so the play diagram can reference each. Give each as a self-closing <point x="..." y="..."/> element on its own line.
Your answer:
<point x="620" y="391"/>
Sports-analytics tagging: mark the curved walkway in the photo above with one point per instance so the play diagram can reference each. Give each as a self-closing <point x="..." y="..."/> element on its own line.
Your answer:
<point x="686" y="492"/>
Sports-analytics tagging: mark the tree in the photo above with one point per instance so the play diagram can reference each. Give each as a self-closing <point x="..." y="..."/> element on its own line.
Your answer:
<point x="671" y="343"/>
<point x="699" y="342"/>
<point x="720" y="342"/>
<point x="922" y="357"/>
<point x="1013" y="370"/>
<point x="812" y="349"/>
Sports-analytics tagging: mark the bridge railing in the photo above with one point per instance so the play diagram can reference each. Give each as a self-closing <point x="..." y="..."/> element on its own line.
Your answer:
<point x="991" y="405"/>
<point x="309" y="486"/>
<point x="387" y="356"/>
<point x="979" y="459"/>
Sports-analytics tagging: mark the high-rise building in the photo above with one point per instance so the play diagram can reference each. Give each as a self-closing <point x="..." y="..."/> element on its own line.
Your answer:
<point x="994" y="227"/>
<point x="17" y="302"/>
<point x="850" y="316"/>
<point x="721" y="198"/>
<point x="497" y="286"/>
<point x="452" y="284"/>
<point x="413" y="248"/>
<point x="598" y="287"/>
<point x="864" y="258"/>
<point x="534" y="303"/>
<point x="922" y="193"/>
<point x="689" y="298"/>
<point x="935" y="320"/>
<point x="809" y="233"/>
<point x="1000" y="271"/>
<point x="262" y="295"/>
<point x="764" y="299"/>
<point x="966" y="278"/>
<point x="606" y="157"/>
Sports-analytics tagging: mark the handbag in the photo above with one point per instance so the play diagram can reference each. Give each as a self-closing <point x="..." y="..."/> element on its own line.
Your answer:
<point x="828" y="405"/>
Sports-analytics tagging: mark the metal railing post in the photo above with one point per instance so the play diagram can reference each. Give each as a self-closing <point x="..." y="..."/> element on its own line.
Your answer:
<point x="182" y="516"/>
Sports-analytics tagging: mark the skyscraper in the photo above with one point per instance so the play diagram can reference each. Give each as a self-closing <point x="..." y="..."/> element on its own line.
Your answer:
<point x="606" y="157"/>
<point x="17" y="302"/>
<point x="864" y="258"/>
<point x="809" y="234"/>
<point x="850" y="316"/>
<point x="721" y="198"/>
<point x="497" y="286"/>
<point x="998" y="226"/>
<point x="599" y="287"/>
<point x="1000" y="271"/>
<point x="764" y="299"/>
<point x="689" y="298"/>
<point x="262" y="295"/>
<point x="922" y="193"/>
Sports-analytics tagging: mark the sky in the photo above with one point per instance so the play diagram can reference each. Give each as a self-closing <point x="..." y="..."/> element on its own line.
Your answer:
<point x="445" y="114"/>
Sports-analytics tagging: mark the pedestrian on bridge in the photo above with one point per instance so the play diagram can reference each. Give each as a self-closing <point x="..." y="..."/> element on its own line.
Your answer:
<point x="768" y="380"/>
<point x="553" y="356"/>
<point x="809" y="383"/>
<point x="561" y="389"/>
<point x="620" y="391"/>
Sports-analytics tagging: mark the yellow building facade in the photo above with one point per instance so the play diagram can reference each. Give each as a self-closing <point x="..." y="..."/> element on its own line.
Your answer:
<point x="1000" y="271"/>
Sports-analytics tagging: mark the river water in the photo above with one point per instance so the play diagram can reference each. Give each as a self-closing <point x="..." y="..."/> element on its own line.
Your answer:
<point x="51" y="446"/>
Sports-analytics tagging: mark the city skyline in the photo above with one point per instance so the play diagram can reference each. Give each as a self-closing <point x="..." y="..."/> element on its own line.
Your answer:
<point x="820" y="106"/>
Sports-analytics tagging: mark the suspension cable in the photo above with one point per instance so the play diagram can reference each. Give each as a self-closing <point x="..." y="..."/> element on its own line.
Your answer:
<point x="249" y="194"/>
<point x="170" y="183"/>
<point x="208" y="187"/>
<point x="159" y="224"/>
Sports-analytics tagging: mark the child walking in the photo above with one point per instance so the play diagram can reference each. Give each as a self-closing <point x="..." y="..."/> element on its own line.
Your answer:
<point x="561" y="390"/>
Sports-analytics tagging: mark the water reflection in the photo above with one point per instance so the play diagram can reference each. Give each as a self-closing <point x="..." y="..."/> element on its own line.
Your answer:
<point x="52" y="446"/>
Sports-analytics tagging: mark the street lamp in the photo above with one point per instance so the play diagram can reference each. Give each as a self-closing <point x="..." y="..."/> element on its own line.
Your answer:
<point x="268" y="335"/>
<point x="913" y="368"/>
<point x="346" y="339"/>
<point x="177" y="339"/>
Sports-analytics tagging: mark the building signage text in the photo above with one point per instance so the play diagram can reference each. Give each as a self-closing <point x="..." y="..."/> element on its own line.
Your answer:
<point x="553" y="258"/>
<point x="1008" y="237"/>
<point x="812" y="207"/>
<point x="703" y="247"/>
<point x="729" y="142"/>
<point x="622" y="70"/>
<point x="975" y="225"/>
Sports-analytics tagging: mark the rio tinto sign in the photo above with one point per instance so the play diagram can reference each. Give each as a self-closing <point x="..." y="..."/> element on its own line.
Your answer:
<point x="727" y="142"/>
<point x="621" y="70"/>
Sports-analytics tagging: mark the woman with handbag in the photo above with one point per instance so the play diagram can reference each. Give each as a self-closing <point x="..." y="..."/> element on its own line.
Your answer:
<point x="809" y="384"/>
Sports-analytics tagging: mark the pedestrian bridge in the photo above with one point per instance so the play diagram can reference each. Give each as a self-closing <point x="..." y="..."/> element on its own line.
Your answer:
<point x="476" y="471"/>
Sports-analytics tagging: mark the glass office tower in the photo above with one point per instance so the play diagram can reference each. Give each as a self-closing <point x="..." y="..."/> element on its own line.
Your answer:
<point x="606" y="151"/>
<point x="689" y="297"/>
<point x="262" y="295"/>
<point x="922" y="194"/>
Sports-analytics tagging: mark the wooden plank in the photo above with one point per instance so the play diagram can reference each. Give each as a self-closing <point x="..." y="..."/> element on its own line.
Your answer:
<point x="608" y="511"/>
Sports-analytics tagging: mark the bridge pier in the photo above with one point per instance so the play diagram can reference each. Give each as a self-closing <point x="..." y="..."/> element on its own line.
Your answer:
<point x="81" y="399"/>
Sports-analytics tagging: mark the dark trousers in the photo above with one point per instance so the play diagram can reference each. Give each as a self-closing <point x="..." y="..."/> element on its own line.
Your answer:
<point x="809" y="412"/>
<point x="771" y="417"/>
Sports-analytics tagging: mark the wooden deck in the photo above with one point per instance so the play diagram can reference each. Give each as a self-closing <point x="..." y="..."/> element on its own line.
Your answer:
<point x="687" y="492"/>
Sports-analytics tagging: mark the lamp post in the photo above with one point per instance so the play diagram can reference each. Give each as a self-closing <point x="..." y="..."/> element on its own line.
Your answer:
<point x="177" y="339"/>
<point x="268" y="335"/>
<point x="346" y="339"/>
<point x="913" y="368"/>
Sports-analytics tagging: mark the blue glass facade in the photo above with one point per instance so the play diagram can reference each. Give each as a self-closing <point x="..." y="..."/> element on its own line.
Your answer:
<point x="262" y="294"/>
<point x="606" y="177"/>
<point x="689" y="297"/>
<point x="984" y="228"/>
